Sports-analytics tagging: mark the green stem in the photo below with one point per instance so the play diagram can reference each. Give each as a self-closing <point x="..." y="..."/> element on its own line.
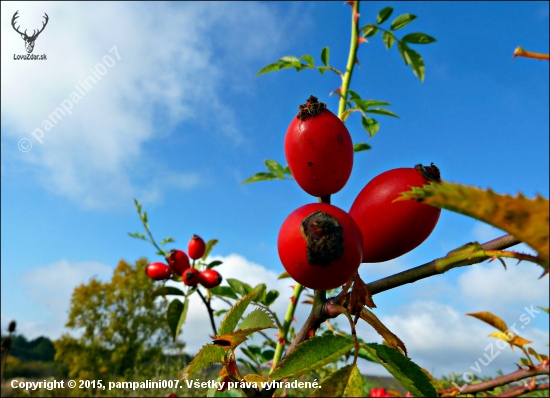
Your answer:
<point x="351" y="59"/>
<point x="286" y="324"/>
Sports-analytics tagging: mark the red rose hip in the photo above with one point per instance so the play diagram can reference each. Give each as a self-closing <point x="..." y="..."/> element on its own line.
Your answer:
<point x="178" y="261"/>
<point x="391" y="229"/>
<point x="210" y="278"/>
<point x="191" y="277"/>
<point x="318" y="149"/>
<point x="196" y="247"/>
<point x="158" y="271"/>
<point x="320" y="246"/>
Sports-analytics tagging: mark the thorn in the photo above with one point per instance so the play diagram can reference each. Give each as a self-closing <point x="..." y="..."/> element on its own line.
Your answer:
<point x="357" y="61"/>
<point x="294" y="319"/>
<point x="337" y="91"/>
<point x="491" y="260"/>
<point x="503" y="263"/>
<point x="293" y="300"/>
<point x="292" y="286"/>
<point x="356" y="17"/>
<point x="361" y="39"/>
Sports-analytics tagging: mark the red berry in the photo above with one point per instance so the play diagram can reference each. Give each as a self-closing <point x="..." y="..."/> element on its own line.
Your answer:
<point x="191" y="277"/>
<point x="379" y="392"/>
<point x="391" y="229"/>
<point x="196" y="247"/>
<point x="158" y="271"/>
<point x="318" y="149"/>
<point x="178" y="261"/>
<point x="210" y="278"/>
<point x="320" y="246"/>
<point x="172" y="395"/>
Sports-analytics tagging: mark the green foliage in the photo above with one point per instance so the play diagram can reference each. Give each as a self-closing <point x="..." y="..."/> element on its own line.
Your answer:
<point x="409" y="374"/>
<point x="39" y="349"/>
<point x="345" y="382"/>
<point x="120" y="324"/>
<point x="312" y="354"/>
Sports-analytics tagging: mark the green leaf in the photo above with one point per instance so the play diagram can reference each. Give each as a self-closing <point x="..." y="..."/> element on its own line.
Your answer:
<point x="382" y="111"/>
<point x="275" y="168"/>
<point x="402" y="21"/>
<point x="310" y="355"/>
<point x="224" y="291"/>
<point x="176" y="314"/>
<point x="208" y="248"/>
<point x="370" y="125"/>
<point x="165" y="290"/>
<point x="270" y="297"/>
<point x="283" y="275"/>
<point x="309" y="59"/>
<point x="416" y="62"/>
<point x="369" y="30"/>
<point x="239" y="287"/>
<point x="260" y="289"/>
<point x="260" y="177"/>
<point x="234" y="315"/>
<point x="345" y="382"/>
<point x="166" y="240"/>
<point x="384" y="14"/>
<point x="209" y="354"/>
<point x="269" y="68"/>
<point x="289" y="59"/>
<point x="286" y="169"/>
<point x="257" y="318"/>
<point x="388" y="39"/>
<point x="402" y="47"/>
<point x="371" y="102"/>
<point x="418" y="38"/>
<point x="409" y="374"/>
<point x="325" y="52"/>
<point x="544" y="309"/>
<point x="219" y="312"/>
<point x="364" y="354"/>
<point x="353" y="95"/>
<point x="248" y="364"/>
<point x="360" y="147"/>
<point x="214" y="263"/>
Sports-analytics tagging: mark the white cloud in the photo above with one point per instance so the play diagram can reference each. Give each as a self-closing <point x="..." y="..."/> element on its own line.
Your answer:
<point x="49" y="290"/>
<point x="442" y="340"/>
<point x="172" y="67"/>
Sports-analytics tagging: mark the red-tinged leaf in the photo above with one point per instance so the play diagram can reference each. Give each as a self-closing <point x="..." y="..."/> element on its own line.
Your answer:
<point x="491" y="319"/>
<point x="360" y="296"/>
<point x="392" y="340"/>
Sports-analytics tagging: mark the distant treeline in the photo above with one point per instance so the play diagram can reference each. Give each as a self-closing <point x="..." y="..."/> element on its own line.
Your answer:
<point x="39" y="349"/>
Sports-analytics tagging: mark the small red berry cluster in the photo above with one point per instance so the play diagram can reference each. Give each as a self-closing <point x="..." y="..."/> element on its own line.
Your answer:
<point x="178" y="264"/>
<point x="320" y="245"/>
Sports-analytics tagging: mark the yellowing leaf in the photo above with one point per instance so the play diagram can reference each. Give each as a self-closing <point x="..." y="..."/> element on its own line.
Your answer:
<point x="526" y="219"/>
<point x="392" y="340"/>
<point x="491" y="319"/>
<point x="520" y="341"/>
<point x="541" y="358"/>
<point x="345" y="382"/>
<point x="255" y="378"/>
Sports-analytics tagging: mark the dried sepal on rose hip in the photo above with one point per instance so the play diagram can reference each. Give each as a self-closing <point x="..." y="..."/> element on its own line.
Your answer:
<point x="210" y="278"/>
<point x="158" y="271"/>
<point x="196" y="247"/>
<point x="191" y="277"/>
<point x="178" y="261"/>
<point x="391" y="229"/>
<point x="320" y="246"/>
<point x="318" y="149"/>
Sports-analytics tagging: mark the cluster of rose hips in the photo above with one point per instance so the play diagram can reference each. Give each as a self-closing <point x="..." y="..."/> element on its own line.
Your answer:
<point x="178" y="264"/>
<point x="320" y="245"/>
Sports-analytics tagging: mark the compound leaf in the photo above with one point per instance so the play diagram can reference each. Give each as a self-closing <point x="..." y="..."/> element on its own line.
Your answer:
<point x="526" y="219"/>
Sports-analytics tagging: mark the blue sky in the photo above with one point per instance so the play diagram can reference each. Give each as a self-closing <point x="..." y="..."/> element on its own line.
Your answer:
<point x="179" y="121"/>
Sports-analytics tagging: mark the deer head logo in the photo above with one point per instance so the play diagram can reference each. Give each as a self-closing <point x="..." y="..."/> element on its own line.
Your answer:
<point x="29" y="40"/>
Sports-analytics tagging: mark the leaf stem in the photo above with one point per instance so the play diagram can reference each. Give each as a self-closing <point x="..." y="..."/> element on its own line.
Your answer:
<point x="351" y="59"/>
<point x="431" y="268"/>
<point x="286" y="324"/>
<point x="210" y="311"/>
